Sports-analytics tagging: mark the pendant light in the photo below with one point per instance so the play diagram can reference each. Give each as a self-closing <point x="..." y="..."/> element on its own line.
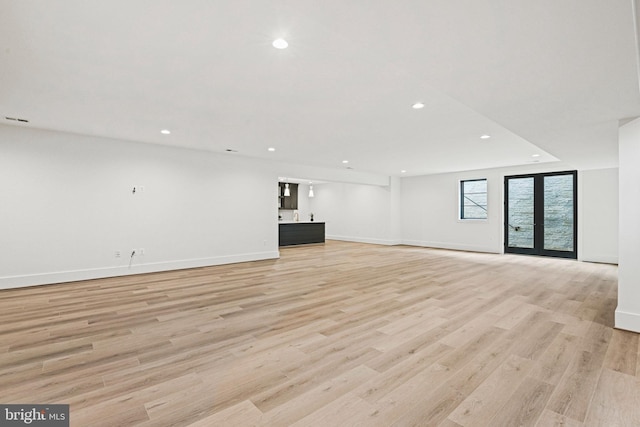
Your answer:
<point x="287" y="193"/>
<point x="311" y="191"/>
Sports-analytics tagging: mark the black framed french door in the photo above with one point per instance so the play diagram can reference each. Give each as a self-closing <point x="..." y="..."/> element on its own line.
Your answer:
<point x="541" y="214"/>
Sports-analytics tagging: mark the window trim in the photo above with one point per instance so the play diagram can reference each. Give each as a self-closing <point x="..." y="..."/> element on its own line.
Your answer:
<point x="461" y="200"/>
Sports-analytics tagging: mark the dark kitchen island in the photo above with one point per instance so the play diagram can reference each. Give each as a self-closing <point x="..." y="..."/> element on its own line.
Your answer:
<point x="300" y="232"/>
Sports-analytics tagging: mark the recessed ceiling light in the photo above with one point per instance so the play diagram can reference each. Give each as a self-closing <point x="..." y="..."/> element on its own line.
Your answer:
<point x="271" y="149"/>
<point x="345" y="161"/>
<point x="280" y="44"/>
<point x="403" y="171"/>
<point x="165" y="131"/>
<point x="417" y="105"/>
<point x="535" y="155"/>
<point x="485" y="136"/>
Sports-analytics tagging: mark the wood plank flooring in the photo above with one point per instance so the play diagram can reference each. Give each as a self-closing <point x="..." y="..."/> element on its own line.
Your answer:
<point x="341" y="334"/>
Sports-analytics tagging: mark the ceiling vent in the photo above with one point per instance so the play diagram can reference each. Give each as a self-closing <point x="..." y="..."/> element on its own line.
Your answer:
<point x="13" y="119"/>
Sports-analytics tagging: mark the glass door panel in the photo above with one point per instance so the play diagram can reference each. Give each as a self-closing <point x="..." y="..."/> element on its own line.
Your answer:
<point x="558" y="213"/>
<point x="520" y="220"/>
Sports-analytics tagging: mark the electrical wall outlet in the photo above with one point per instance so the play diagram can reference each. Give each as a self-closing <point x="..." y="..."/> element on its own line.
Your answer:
<point x="140" y="251"/>
<point x="117" y="254"/>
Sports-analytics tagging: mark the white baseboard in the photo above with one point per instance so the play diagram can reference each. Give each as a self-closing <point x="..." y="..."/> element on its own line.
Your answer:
<point x="605" y="259"/>
<point x="627" y="321"/>
<point x="102" y="272"/>
<point x="453" y="246"/>
<point x="374" y="241"/>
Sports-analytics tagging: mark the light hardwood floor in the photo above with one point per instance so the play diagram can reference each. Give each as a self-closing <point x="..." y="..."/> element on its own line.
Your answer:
<point x="338" y="334"/>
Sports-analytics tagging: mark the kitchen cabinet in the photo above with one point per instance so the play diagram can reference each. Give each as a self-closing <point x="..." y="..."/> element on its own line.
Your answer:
<point x="287" y="202"/>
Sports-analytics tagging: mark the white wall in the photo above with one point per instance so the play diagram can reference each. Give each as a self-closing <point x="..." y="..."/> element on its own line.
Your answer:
<point x="628" y="310"/>
<point x="430" y="212"/>
<point x="423" y="211"/>
<point x="67" y="206"/>
<point x="598" y="215"/>
<point x="304" y="202"/>
<point x="356" y="212"/>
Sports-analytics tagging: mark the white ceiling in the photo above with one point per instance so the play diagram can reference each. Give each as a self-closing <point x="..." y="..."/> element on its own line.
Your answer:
<point x="548" y="77"/>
